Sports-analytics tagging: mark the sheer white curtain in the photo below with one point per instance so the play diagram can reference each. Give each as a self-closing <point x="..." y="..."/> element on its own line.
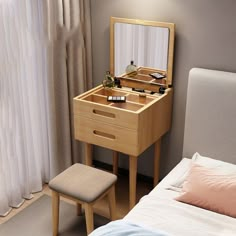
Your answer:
<point x="24" y="153"/>
<point x="37" y="84"/>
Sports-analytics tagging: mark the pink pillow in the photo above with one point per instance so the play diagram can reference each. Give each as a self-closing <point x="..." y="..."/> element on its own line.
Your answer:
<point x="210" y="190"/>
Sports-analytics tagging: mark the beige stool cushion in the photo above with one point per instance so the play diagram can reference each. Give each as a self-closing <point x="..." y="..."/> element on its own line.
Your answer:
<point x="83" y="182"/>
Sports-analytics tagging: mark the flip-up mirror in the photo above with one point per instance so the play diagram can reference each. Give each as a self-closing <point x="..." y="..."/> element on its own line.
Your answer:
<point x="149" y="44"/>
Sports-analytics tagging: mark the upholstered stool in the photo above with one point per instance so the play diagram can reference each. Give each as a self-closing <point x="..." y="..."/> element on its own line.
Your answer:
<point x="85" y="185"/>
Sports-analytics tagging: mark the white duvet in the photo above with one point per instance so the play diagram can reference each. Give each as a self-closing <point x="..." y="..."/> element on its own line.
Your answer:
<point x="159" y="210"/>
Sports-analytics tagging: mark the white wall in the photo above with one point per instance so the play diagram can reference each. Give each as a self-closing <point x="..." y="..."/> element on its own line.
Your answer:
<point x="205" y="37"/>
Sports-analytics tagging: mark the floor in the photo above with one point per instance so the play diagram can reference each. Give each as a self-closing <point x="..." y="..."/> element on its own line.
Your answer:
<point x="101" y="207"/>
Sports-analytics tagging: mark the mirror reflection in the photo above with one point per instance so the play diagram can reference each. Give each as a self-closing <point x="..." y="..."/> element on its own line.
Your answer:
<point x="146" y="46"/>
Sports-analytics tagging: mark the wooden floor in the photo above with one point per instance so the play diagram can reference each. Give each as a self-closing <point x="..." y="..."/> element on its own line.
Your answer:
<point x="101" y="207"/>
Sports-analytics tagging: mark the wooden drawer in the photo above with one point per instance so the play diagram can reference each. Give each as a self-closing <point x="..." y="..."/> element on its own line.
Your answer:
<point x="106" y="135"/>
<point x="106" y="114"/>
<point x="94" y="105"/>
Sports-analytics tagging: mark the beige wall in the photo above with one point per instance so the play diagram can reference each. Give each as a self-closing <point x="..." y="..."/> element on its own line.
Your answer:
<point x="205" y="37"/>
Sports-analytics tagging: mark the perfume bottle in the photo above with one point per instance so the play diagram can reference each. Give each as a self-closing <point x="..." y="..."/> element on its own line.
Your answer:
<point x="108" y="81"/>
<point x="131" y="69"/>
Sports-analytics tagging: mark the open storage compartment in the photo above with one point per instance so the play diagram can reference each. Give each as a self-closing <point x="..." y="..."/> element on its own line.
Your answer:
<point x="127" y="106"/>
<point x="139" y="98"/>
<point x="110" y="92"/>
<point x="97" y="99"/>
<point x="134" y="101"/>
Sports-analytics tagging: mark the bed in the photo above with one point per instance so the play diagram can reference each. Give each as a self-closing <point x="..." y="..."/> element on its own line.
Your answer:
<point x="209" y="145"/>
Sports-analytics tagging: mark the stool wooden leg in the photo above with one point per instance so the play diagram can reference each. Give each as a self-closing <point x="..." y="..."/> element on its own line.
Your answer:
<point x="89" y="217"/>
<point x="112" y="202"/>
<point x="79" y="209"/>
<point x="55" y="212"/>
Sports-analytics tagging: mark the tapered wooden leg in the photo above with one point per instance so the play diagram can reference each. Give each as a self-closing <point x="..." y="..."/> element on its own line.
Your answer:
<point x="112" y="203"/>
<point x="55" y="212"/>
<point x="157" y="152"/>
<point x="132" y="180"/>
<point x="115" y="162"/>
<point x="89" y="217"/>
<point x="88" y="154"/>
<point x="79" y="209"/>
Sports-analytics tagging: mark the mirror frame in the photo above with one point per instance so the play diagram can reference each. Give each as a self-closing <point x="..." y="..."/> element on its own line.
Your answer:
<point x="170" y="26"/>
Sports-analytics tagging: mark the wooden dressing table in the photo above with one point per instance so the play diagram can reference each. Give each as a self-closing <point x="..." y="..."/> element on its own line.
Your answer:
<point x="128" y="127"/>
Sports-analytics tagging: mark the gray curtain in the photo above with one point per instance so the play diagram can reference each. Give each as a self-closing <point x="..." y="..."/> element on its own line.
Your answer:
<point x="69" y="55"/>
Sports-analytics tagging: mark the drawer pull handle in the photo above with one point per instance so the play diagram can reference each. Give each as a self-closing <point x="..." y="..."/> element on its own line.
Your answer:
<point x="104" y="113"/>
<point x="106" y="135"/>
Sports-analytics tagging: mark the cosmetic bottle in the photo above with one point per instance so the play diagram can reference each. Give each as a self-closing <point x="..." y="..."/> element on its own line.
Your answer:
<point x="131" y="69"/>
<point x="108" y="81"/>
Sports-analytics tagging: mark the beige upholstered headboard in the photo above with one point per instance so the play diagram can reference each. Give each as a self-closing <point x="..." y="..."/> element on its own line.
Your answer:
<point x="210" y="121"/>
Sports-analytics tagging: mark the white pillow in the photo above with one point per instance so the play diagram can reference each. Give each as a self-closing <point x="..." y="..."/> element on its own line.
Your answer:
<point x="221" y="166"/>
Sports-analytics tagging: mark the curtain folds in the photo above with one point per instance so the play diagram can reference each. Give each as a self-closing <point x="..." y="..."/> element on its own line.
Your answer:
<point x="69" y="32"/>
<point x="145" y="45"/>
<point x="45" y="60"/>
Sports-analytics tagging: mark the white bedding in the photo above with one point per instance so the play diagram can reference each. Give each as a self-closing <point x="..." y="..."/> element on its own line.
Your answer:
<point x="159" y="210"/>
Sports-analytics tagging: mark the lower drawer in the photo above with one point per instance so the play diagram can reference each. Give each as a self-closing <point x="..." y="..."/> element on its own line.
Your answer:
<point x="109" y="136"/>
